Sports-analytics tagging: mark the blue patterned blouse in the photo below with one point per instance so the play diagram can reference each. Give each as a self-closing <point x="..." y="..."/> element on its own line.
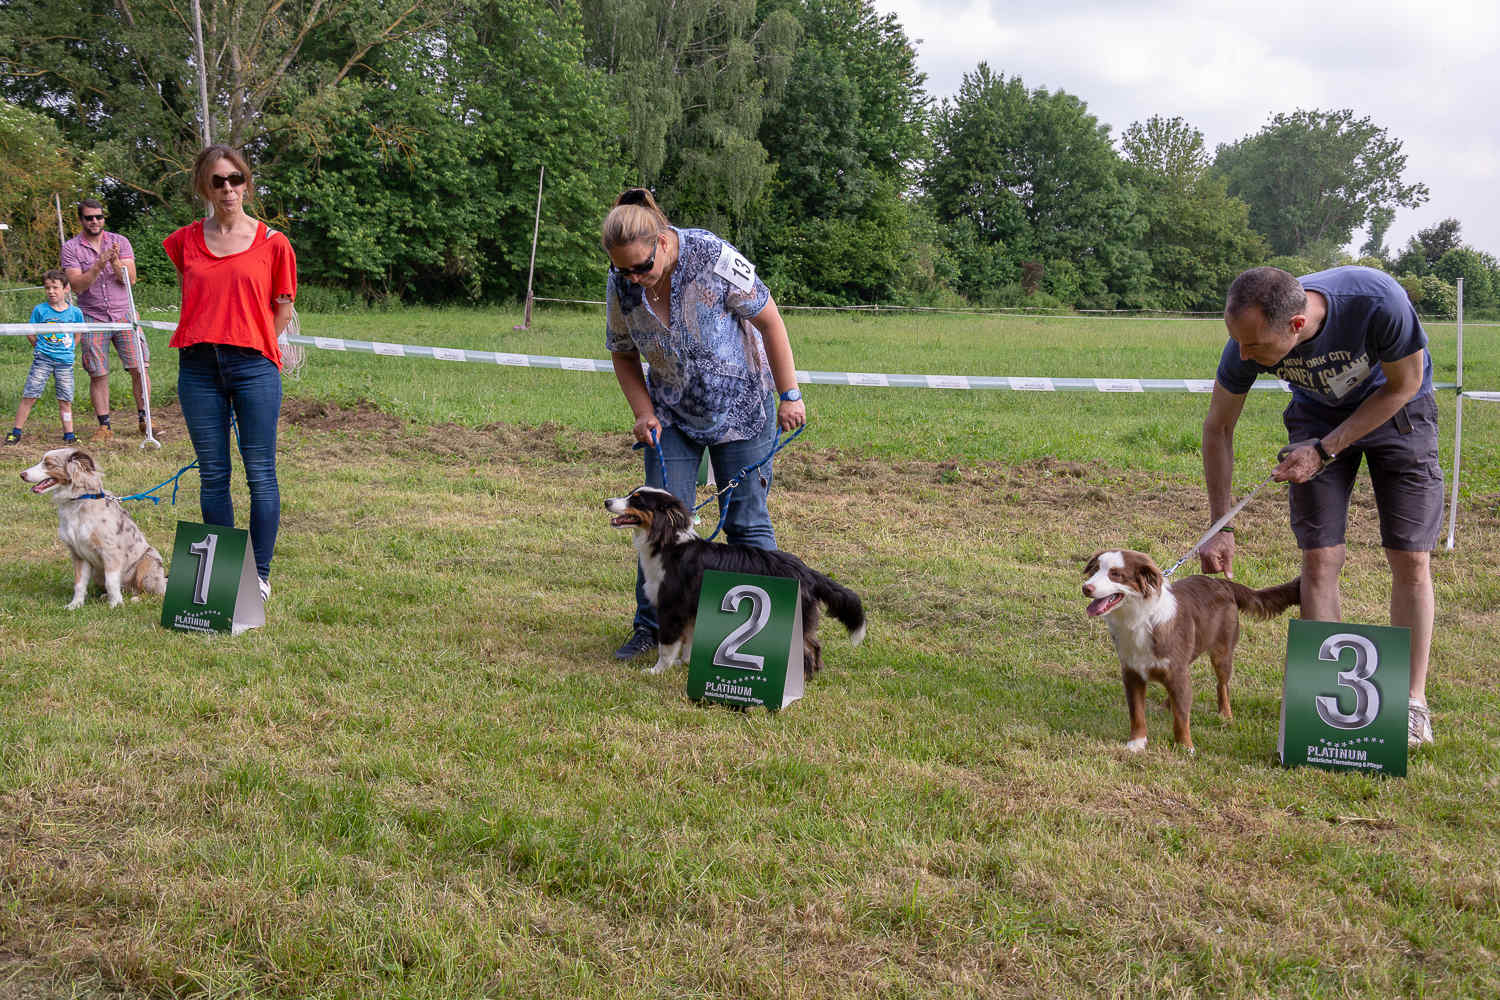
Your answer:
<point x="709" y="376"/>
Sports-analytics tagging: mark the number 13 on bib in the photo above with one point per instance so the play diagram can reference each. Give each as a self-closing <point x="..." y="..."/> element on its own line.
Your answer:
<point x="1343" y="704"/>
<point x="747" y="641"/>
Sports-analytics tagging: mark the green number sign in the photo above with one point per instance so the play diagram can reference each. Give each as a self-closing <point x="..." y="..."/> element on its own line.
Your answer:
<point x="747" y="642"/>
<point x="212" y="585"/>
<point x="1343" y="704"/>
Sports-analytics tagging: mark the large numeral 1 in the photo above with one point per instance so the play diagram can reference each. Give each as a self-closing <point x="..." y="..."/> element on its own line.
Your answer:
<point x="1366" y="695"/>
<point x="204" y="550"/>
<point x="728" y="654"/>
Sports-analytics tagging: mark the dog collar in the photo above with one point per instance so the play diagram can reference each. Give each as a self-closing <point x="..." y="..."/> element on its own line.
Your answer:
<point x="90" y="496"/>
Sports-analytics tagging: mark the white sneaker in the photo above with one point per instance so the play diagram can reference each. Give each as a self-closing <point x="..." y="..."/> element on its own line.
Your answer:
<point x="1418" y="724"/>
<point x="265" y="593"/>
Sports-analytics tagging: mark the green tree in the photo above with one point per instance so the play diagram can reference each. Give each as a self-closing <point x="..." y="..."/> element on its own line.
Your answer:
<point x="428" y="188"/>
<point x="1315" y="177"/>
<point x="1196" y="237"/>
<point x="1021" y="175"/>
<point x="37" y="165"/>
<point x="1476" y="272"/>
<point x="121" y="80"/>
<point x="844" y="141"/>
<point x="1427" y="247"/>
<point x="695" y="78"/>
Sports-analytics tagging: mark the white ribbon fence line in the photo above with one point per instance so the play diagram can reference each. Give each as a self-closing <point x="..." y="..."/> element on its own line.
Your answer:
<point x="29" y="329"/>
<point x="865" y="379"/>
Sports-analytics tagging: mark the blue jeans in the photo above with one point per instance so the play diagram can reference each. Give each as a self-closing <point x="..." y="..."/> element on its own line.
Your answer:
<point x="213" y="382"/>
<point x="749" y="519"/>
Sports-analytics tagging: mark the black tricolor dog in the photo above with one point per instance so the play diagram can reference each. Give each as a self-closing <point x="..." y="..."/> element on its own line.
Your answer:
<point x="673" y="559"/>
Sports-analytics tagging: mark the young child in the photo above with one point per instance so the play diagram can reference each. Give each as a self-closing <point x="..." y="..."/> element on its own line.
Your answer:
<point x="53" y="357"/>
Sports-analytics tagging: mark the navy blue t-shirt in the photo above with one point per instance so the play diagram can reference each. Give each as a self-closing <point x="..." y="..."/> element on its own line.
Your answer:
<point x="1370" y="320"/>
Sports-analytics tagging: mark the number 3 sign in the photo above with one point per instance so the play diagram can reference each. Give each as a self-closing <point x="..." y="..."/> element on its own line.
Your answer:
<point x="747" y="642"/>
<point x="1343" y="706"/>
<point x="212" y="586"/>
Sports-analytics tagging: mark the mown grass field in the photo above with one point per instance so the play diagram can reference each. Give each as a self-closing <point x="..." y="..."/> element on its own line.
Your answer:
<point x="426" y="778"/>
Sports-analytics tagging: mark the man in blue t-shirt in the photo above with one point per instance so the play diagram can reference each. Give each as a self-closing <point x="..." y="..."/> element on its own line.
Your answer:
<point x="1349" y="344"/>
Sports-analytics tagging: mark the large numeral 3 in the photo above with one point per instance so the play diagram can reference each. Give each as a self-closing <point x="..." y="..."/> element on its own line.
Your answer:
<point x="1357" y="678"/>
<point x="728" y="654"/>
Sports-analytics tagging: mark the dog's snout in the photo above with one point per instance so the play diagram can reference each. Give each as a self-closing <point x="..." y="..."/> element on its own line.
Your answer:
<point x="1088" y="590"/>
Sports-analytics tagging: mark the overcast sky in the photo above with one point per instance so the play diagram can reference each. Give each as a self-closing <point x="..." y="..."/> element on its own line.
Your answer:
<point x="1428" y="74"/>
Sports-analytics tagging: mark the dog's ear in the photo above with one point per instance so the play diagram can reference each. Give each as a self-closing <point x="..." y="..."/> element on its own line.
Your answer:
<point x="1151" y="579"/>
<point x="82" y="471"/>
<point x="668" y="520"/>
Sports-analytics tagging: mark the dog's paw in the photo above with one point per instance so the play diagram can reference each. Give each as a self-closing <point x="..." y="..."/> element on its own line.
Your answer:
<point x="1136" y="746"/>
<point x="656" y="668"/>
<point x="75" y="604"/>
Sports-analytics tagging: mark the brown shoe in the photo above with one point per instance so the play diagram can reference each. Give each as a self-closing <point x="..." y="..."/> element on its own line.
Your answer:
<point x="102" y="435"/>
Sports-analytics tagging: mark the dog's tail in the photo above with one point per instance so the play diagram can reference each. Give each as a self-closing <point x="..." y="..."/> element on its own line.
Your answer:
<point x="842" y="603"/>
<point x="1271" y="601"/>
<point x="147" y="576"/>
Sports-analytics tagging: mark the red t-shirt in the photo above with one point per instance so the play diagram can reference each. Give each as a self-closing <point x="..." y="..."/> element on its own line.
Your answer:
<point x="231" y="300"/>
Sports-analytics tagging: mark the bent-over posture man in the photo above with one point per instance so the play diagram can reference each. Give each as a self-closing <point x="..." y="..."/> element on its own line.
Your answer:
<point x="1348" y="342"/>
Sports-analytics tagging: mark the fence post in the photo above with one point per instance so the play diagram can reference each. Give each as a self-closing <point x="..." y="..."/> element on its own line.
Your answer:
<point x="531" y="270"/>
<point x="1458" y="419"/>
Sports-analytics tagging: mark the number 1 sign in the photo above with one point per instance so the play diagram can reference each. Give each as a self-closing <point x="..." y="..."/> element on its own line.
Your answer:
<point x="212" y="585"/>
<point x="747" y="641"/>
<point x="1344" y="702"/>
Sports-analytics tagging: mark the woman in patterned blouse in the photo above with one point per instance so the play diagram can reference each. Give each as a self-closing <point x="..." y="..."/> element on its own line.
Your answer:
<point x="721" y="375"/>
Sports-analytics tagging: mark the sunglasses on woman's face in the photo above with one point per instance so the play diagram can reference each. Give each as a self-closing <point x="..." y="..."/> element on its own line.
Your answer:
<point x="235" y="179"/>
<point x="642" y="268"/>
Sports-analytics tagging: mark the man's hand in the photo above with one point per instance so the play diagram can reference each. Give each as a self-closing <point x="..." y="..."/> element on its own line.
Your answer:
<point x="1300" y="461"/>
<point x="1217" y="554"/>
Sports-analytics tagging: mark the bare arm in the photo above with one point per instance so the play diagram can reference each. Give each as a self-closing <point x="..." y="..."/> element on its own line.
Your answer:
<point x="1403" y="380"/>
<point x="633" y="385"/>
<point x="793" y="414"/>
<point x="1217" y="554"/>
<point x="283" y="315"/>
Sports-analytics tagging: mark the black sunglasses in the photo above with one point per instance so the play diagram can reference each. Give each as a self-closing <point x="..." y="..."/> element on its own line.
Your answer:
<point x="93" y="218"/>
<point x="235" y="178"/>
<point x="642" y="268"/>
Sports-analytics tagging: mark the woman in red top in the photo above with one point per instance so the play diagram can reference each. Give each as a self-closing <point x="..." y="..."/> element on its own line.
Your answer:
<point x="238" y="282"/>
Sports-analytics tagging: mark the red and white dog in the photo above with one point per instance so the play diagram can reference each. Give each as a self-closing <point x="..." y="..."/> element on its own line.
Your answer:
<point x="1160" y="628"/>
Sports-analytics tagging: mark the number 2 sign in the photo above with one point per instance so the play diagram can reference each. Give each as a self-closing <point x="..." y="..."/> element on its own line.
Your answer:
<point x="1343" y="704"/>
<point x="211" y="586"/>
<point x="747" y="642"/>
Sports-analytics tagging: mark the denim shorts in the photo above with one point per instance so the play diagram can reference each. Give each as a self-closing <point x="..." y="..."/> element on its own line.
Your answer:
<point x="1402" y="454"/>
<point x="41" y="370"/>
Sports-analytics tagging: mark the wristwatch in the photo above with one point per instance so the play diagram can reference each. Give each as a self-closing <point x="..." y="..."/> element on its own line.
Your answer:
<point x="791" y="395"/>
<point x="1323" y="452"/>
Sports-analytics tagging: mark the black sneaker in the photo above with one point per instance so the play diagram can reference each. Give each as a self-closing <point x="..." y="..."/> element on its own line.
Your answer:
<point x="14" y="437"/>
<point x="641" y="641"/>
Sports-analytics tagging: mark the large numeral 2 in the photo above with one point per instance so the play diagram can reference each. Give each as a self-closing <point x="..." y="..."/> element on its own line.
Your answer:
<point x="728" y="654"/>
<point x="1366" y="695"/>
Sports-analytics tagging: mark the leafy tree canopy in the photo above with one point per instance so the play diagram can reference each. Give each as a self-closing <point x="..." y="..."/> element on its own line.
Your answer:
<point x="1316" y="176"/>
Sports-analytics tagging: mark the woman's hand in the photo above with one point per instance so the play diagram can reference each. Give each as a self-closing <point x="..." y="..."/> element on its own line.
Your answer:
<point x="791" y="415"/>
<point x="647" y="429"/>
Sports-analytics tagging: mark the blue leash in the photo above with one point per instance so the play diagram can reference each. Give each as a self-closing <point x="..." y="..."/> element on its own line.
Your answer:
<point x="155" y="500"/>
<point x="733" y="483"/>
